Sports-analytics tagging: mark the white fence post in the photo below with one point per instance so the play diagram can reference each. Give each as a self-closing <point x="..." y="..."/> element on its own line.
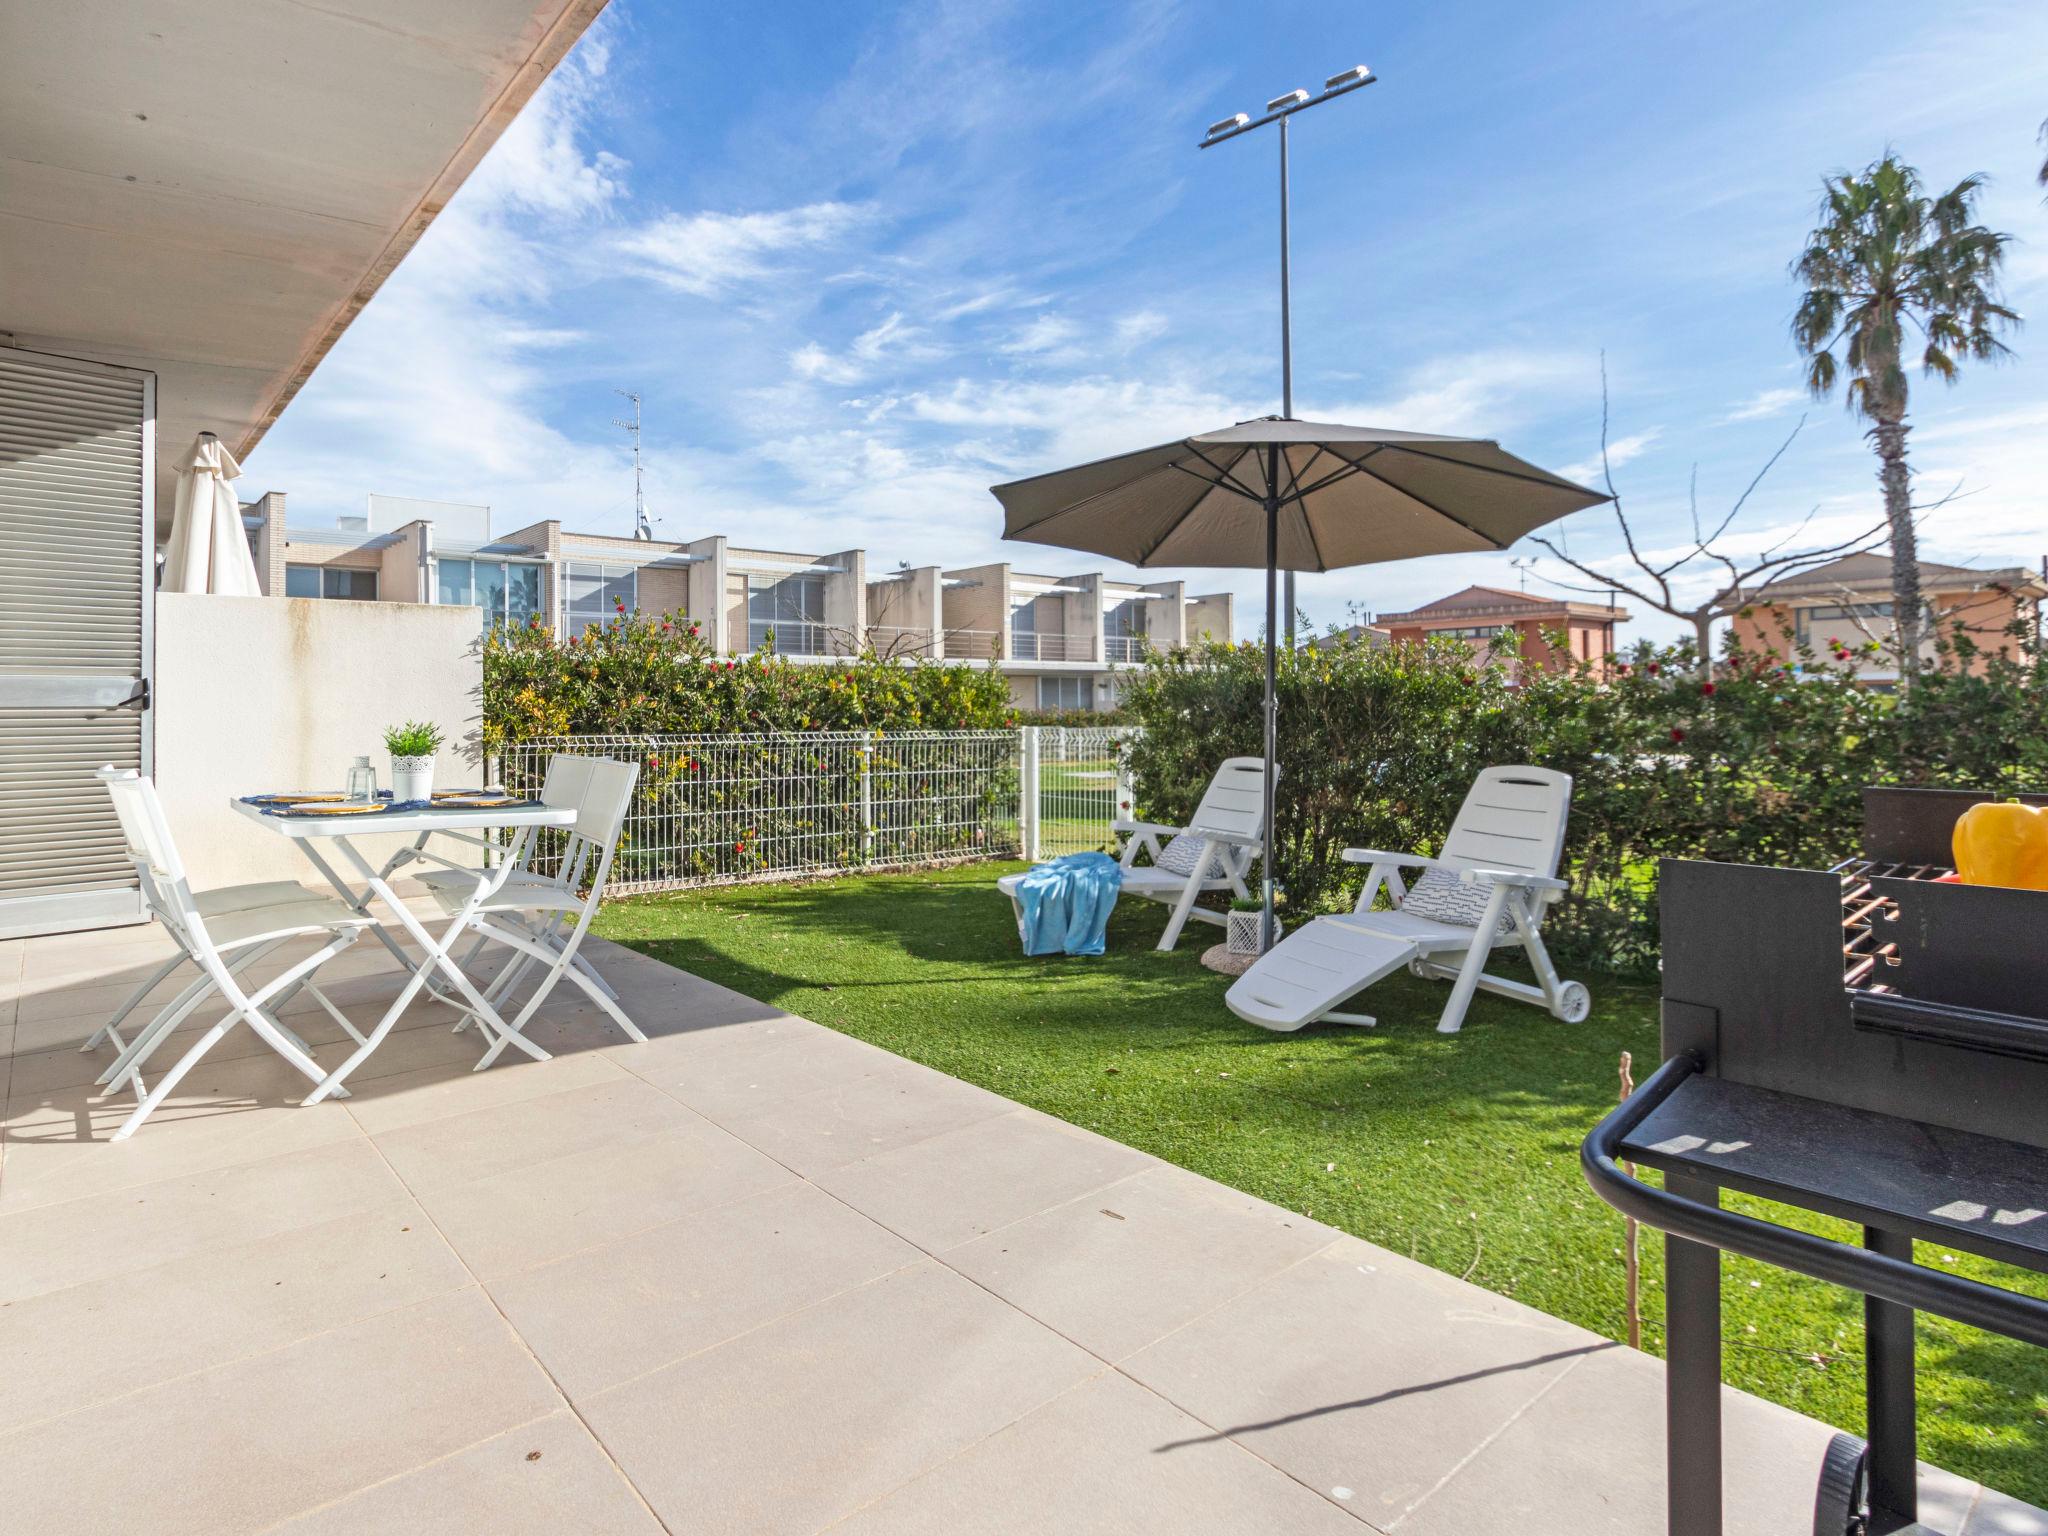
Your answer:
<point x="1028" y="802"/>
<point x="867" y="802"/>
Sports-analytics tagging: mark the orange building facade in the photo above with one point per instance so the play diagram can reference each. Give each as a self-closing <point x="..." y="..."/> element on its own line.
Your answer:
<point x="1848" y="601"/>
<point x="1483" y="616"/>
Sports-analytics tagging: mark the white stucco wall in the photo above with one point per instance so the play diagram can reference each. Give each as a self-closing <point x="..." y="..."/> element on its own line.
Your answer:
<point x="262" y="693"/>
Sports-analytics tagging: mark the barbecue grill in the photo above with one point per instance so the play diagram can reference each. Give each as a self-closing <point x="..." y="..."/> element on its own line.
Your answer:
<point x="1868" y="1042"/>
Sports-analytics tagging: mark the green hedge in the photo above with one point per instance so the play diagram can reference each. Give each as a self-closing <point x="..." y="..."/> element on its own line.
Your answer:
<point x="656" y="674"/>
<point x="1761" y="760"/>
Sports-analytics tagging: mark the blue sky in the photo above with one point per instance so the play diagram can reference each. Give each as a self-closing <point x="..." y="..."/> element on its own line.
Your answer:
<point x="864" y="262"/>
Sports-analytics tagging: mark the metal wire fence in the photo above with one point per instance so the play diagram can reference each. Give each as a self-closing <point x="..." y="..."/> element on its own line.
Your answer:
<point x="717" y="809"/>
<point x="1073" y="788"/>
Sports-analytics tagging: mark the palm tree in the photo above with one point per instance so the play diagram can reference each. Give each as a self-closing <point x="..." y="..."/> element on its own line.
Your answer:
<point x="1884" y="257"/>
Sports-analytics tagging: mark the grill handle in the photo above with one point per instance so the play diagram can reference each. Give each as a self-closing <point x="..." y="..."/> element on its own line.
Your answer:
<point x="1976" y="1029"/>
<point x="1897" y="1280"/>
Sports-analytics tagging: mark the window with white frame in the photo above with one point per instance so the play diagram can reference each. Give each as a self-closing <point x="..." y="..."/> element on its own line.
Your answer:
<point x="507" y="591"/>
<point x="790" y="610"/>
<point x="331" y="581"/>
<point x="1850" y="623"/>
<point x="1123" y="629"/>
<point x="597" y="593"/>
<point x="1024" y="629"/>
<point x="1066" y="693"/>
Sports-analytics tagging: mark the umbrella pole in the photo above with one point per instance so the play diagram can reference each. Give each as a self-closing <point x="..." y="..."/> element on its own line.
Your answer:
<point x="1272" y="703"/>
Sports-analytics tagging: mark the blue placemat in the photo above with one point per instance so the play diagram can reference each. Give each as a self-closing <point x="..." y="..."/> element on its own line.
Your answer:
<point x="281" y="804"/>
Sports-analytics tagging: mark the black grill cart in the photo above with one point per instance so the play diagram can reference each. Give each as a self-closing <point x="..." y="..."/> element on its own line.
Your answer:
<point x="1867" y="1042"/>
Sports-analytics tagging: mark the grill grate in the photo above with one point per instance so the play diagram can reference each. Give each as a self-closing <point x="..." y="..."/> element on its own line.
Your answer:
<point x="1864" y="947"/>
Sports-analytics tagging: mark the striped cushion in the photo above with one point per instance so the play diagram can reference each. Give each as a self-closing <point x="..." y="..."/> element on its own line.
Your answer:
<point x="1178" y="857"/>
<point x="1441" y="896"/>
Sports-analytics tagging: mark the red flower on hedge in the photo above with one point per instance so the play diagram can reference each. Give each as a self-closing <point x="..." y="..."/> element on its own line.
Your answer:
<point x="1677" y="734"/>
<point x="1653" y="668"/>
<point x="1707" y="689"/>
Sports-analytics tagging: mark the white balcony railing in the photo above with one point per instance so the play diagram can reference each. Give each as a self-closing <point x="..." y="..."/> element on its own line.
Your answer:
<point x="1026" y="645"/>
<point x="1124" y="647"/>
<point x="795" y="637"/>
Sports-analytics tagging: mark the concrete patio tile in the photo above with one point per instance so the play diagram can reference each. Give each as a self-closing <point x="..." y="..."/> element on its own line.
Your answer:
<point x="607" y="1314"/>
<point x="548" y="1478"/>
<point x="895" y="1106"/>
<point x="742" y="1078"/>
<point x="59" y="1147"/>
<point x="67" y="1349"/>
<point x="1588" y="1457"/>
<point x="455" y="1149"/>
<point x="1126" y="1265"/>
<point x="252" y="1442"/>
<point x="1356" y="1369"/>
<point x="69" y="1067"/>
<point x="954" y="1187"/>
<point x="539" y="1212"/>
<point x="388" y="1104"/>
<point x="809" y="1418"/>
<point x="74" y="1242"/>
<point x="1112" y="1478"/>
<point x="1994" y="1514"/>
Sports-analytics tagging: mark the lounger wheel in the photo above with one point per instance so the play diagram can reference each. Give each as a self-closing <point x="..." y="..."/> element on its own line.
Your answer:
<point x="1841" y="1504"/>
<point x="1574" y="1002"/>
<point x="1419" y="967"/>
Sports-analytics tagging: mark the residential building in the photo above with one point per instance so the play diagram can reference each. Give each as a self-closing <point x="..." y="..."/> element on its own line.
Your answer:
<point x="1849" y="600"/>
<point x="1484" y="616"/>
<point x="1064" y="641"/>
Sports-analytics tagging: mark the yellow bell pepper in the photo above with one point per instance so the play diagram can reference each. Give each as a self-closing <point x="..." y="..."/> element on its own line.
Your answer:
<point x="2003" y="845"/>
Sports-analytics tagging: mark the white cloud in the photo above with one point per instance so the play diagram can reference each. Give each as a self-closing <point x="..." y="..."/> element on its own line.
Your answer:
<point x="1479" y="394"/>
<point x="1765" y="402"/>
<point x="1139" y="327"/>
<point x="1619" y="452"/>
<point x="707" y="254"/>
<point x="1045" y="334"/>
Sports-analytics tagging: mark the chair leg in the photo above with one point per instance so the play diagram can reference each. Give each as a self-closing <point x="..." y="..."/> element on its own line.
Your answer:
<point x="1462" y="989"/>
<point x="185" y="1063"/>
<point x="134" y="1001"/>
<point x="1181" y="909"/>
<point x="130" y="1062"/>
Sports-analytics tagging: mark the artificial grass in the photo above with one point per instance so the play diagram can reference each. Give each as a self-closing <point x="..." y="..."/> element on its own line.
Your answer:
<point x="1459" y="1151"/>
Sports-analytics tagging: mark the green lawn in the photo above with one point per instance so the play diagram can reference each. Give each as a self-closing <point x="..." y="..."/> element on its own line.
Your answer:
<point x="1459" y="1151"/>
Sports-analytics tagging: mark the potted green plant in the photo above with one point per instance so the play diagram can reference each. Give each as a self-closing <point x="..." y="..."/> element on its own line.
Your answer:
<point x="412" y="747"/>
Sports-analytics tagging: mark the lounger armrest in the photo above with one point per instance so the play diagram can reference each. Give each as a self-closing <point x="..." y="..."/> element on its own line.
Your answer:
<point x="1380" y="856"/>
<point x="1146" y="826"/>
<point x="1512" y="877"/>
<point x="1236" y="839"/>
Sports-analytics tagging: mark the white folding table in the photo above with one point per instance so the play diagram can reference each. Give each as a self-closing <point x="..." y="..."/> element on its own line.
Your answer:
<point x="308" y="832"/>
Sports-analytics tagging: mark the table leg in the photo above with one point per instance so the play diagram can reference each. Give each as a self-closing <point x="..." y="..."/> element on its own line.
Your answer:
<point x="360" y="902"/>
<point x="1888" y="1392"/>
<point x="1692" y="1386"/>
<point x="435" y="956"/>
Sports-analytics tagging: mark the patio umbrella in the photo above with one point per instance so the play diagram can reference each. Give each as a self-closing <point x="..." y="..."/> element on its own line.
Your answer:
<point x="209" y="551"/>
<point x="1286" y="495"/>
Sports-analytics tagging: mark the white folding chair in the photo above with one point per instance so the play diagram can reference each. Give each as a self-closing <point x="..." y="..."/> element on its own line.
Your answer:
<point x="542" y="916"/>
<point x="223" y="938"/>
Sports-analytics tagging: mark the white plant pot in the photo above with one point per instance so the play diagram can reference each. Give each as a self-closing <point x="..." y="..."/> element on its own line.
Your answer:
<point x="1241" y="929"/>
<point x="412" y="778"/>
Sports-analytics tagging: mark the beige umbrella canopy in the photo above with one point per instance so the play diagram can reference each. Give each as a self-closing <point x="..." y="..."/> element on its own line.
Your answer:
<point x="1286" y="495"/>
<point x="1345" y="496"/>
<point x="208" y="551"/>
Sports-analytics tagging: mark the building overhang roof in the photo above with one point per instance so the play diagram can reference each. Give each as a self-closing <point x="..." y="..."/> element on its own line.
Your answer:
<point x="212" y="191"/>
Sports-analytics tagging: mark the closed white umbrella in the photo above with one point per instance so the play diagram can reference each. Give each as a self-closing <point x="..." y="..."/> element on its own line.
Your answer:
<point x="209" y="551"/>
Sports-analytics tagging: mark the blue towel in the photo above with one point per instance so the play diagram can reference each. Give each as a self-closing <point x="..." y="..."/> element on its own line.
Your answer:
<point x="1066" y="904"/>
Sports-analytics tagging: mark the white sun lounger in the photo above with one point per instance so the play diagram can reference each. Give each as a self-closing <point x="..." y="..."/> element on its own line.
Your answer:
<point x="1499" y="862"/>
<point x="1211" y="853"/>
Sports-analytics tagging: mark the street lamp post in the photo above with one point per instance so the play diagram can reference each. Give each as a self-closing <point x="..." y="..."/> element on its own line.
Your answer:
<point x="1279" y="110"/>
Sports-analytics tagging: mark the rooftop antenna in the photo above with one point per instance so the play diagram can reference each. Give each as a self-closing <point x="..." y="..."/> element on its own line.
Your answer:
<point x="1524" y="565"/>
<point x="643" y="525"/>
